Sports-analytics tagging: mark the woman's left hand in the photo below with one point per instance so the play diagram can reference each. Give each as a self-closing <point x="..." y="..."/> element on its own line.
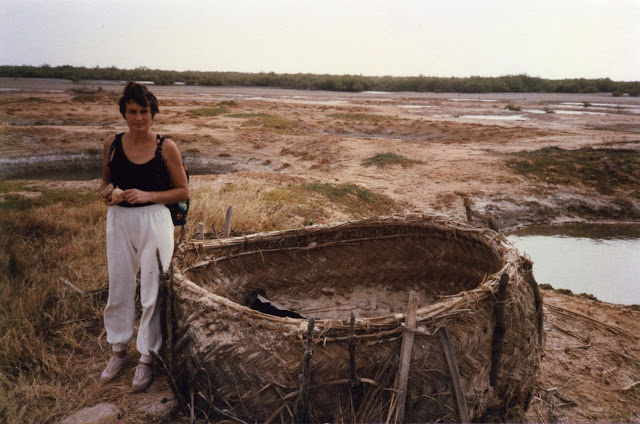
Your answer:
<point x="133" y="196"/>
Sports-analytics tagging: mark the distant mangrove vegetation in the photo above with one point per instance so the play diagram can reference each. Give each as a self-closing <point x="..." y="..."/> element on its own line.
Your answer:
<point x="353" y="83"/>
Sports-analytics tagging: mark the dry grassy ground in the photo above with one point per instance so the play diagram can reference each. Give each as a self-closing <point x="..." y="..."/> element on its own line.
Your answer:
<point x="300" y="157"/>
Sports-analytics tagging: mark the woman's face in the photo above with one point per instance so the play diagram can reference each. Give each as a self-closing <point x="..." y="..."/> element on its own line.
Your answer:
<point x="138" y="117"/>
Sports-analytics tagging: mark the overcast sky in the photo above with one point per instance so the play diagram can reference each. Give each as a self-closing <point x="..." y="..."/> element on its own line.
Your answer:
<point x="543" y="38"/>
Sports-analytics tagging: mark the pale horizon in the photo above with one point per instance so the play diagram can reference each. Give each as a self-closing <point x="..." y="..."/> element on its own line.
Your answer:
<point x="562" y="39"/>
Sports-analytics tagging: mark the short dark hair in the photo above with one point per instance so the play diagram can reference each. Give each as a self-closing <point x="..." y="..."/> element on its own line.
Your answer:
<point x="139" y="94"/>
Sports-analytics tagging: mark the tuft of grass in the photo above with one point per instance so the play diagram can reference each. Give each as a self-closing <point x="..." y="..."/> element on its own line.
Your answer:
<point x="382" y="160"/>
<point x="209" y="111"/>
<point x="66" y="197"/>
<point x="249" y="115"/>
<point x="30" y="99"/>
<point x="513" y="107"/>
<point x="256" y="208"/>
<point x="270" y="121"/>
<point x="33" y="99"/>
<point x="353" y="199"/>
<point x="362" y="117"/>
<point x="88" y="97"/>
<point x="606" y="170"/>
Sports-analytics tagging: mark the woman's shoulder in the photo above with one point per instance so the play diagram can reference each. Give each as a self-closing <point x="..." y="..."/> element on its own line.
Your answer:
<point x="109" y="140"/>
<point x="170" y="147"/>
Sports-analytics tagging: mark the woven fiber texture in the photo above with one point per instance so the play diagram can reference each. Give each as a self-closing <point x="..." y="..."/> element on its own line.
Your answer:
<point x="230" y="361"/>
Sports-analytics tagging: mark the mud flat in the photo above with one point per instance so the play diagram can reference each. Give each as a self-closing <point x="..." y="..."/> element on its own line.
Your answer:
<point x="461" y="144"/>
<point x="445" y="147"/>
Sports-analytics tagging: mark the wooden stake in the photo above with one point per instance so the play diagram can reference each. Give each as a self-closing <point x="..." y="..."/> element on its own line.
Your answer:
<point x="227" y="223"/>
<point x="467" y="207"/>
<point x="303" y="406"/>
<point x="201" y="231"/>
<point x="172" y="382"/>
<point x="405" y="355"/>
<point x="455" y="374"/>
<point x="192" y="412"/>
<point x="159" y="261"/>
<point x="492" y="223"/>
<point x="169" y="320"/>
<point x="354" y="382"/>
<point x="499" y="329"/>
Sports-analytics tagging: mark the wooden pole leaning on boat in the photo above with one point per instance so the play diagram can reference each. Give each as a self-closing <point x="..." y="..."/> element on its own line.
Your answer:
<point x="166" y="306"/>
<point x="450" y="357"/>
<point x="499" y="329"/>
<point x="355" y="384"/>
<point x="302" y="415"/>
<point x="405" y="355"/>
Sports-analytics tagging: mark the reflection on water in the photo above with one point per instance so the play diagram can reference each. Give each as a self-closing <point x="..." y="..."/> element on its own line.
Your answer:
<point x="603" y="260"/>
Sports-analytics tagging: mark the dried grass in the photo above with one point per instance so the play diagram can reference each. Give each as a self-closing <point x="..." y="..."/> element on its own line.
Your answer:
<point x="52" y="346"/>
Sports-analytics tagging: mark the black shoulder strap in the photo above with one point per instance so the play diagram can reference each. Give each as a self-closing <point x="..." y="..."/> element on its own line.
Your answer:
<point x="159" y="141"/>
<point x="112" y="148"/>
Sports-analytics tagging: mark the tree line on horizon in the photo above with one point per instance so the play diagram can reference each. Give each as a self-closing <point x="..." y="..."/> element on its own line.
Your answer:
<point x="521" y="83"/>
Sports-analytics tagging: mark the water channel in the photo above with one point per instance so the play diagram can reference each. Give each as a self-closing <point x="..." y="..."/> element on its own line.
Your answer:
<point x="598" y="259"/>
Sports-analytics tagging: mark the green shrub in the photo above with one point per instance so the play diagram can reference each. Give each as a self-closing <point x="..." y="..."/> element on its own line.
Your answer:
<point x="249" y="115"/>
<point x="86" y="98"/>
<point x="209" y="111"/>
<point x="270" y="121"/>
<point x="506" y="83"/>
<point x="385" y="159"/>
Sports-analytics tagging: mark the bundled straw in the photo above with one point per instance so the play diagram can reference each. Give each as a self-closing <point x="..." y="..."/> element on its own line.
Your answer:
<point x="232" y="361"/>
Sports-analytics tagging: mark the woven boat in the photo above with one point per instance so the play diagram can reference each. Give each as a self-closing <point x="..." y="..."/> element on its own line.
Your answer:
<point x="230" y="361"/>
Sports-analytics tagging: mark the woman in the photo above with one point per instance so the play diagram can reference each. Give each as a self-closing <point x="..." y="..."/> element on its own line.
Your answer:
<point x="151" y="174"/>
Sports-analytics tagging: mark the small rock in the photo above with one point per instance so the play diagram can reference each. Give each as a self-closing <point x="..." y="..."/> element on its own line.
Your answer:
<point x="102" y="413"/>
<point x="157" y="401"/>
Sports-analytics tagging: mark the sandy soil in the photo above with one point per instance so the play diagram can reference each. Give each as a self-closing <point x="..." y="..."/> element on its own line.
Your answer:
<point x="460" y="143"/>
<point x="459" y="140"/>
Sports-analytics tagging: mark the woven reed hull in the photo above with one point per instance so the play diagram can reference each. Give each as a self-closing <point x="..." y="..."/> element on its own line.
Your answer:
<point x="248" y="364"/>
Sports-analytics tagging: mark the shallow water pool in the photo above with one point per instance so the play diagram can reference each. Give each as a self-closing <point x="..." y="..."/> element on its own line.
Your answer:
<point x="602" y="260"/>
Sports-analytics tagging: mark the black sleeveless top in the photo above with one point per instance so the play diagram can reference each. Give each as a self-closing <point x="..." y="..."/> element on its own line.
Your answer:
<point x="149" y="176"/>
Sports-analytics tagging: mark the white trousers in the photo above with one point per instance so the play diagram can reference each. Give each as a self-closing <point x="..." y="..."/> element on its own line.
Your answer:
<point x="133" y="234"/>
